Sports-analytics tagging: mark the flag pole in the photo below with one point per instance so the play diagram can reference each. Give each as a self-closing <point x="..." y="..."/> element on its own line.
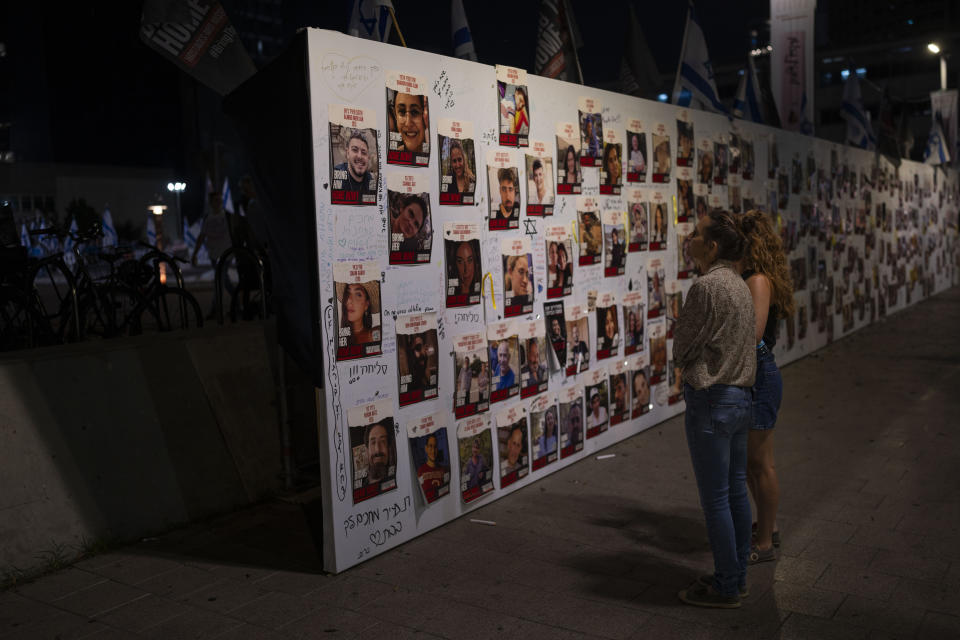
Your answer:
<point x="683" y="48"/>
<point x="573" y="41"/>
<point x="396" y="25"/>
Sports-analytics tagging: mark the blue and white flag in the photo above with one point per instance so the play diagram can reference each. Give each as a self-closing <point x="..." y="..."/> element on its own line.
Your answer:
<point x="227" y="197"/>
<point x="695" y="86"/>
<point x="68" y="245"/>
<point x="24" y="236"/>
<point x="859" y="130"/>
<point x="371" y="19"/>
<point x="460" y="31"/>
<point x="110" y="238"/>
<point x="746" y="105"/>
<point x="151" y="230"/>
<point x="937" y="151"/>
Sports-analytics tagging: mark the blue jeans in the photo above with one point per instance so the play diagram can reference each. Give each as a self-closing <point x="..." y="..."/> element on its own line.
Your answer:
<point x="767" y="391"/>
<point x="718" y="419"/>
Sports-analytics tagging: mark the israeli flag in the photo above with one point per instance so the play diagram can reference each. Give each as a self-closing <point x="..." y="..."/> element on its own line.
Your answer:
<point x="695" y="86"/>
<point x="460" y="30"/>
<point x="24" y="236"/>
<point x="227" y="197"/>
<point x="371" y="19"/>
<point x="936" y="151"/>
<point x="746" y="106"/>
<point x="110" y="238"/>
<point x="859" y="132"/>
<point x="151" y="231"/>
<point x="68" y="245"/>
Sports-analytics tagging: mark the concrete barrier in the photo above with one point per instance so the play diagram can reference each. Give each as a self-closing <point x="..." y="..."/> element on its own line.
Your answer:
<point x="115" y="440"/>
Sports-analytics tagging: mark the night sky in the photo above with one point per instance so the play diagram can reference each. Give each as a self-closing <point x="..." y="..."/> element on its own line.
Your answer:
<point x="109" y="99"/>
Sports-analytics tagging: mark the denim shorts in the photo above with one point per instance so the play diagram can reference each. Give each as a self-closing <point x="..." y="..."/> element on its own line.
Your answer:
<point x="767" y="391"/>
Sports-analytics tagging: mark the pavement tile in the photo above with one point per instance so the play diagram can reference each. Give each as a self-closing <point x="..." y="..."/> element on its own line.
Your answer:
<point x="806" y="600"/>
<point x="143" y="613"/>
<point x="325" y="622"/>
<point x="109" y="633"/>
<point x="839" y="554"/>
<point x="939" y="625"/>
<point x="798" y="570"/>
<point x="383" y="630"/>
<point x="586" y="616"/>
<point x="99" y="598"/>
<point x="878" y="614"/>
<point x="825" y="530"/>
<point x="349" y="591"/>
<point x="192" y="623"/>
<point x="274" y="610"/>
<point x="935" y="596"/>
<point x="131" y="568"/>
<point x="861" y="582"/>
<point x="873" y="536"/>
<point x="293" y="582"/>
<point x="246" y="631"/>
<point x="178" y="582"/>
<point x="61" y="625"/>
<point x="664" y="628"/>
<point x="802" y="627"/>
<point x="223" y="596"/>
<point x="908" y="565"/>
<point x="17" y="611"/>
<point x="57" y="585"/>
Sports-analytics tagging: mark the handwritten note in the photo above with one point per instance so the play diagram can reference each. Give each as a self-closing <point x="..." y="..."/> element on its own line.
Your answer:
<point x="348" y="77"/>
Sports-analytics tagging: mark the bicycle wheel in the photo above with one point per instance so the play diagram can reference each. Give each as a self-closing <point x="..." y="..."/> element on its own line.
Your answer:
<point x="21" y="325"/>
<point x="55" y="297"/>
<point x="107" y="311"/>
<point x="169" y="309"/>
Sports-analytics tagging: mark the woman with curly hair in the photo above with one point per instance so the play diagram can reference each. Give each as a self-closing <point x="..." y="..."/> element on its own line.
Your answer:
<point x="764" y="268"/>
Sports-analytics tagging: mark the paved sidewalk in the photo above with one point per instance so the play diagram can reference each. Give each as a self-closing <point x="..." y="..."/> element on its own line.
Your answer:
<point x="869" y="468"/>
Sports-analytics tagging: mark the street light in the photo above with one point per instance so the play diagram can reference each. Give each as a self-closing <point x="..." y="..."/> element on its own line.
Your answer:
<point x="935" y="49"/>
<point x="178" y="188"/>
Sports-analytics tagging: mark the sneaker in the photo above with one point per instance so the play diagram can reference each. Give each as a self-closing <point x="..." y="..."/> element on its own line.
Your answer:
<point x="706" y="580"/>
<point x="775" y="537"/>
<point x="705" y="596"/>
<point x="758" y="555"/>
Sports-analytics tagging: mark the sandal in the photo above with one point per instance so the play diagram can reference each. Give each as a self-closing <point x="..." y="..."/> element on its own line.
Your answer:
<point x="758" y="555"/>
<point x="775" y="538"/>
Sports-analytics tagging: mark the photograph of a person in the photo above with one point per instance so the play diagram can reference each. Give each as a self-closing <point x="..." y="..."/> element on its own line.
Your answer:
<point x="611" y="169"/>
<point x="656" y="295"/>
<point x="662" y="162"/>
<point x="620" y="398"/>
<point x="773" y="158"/>
<point x="640" y="391"/>
<point x="636" y="157"/>
<point x="639" y="226"/>
<point x="514" y="101"/>
<point x="633" y="319"/>
<point x="461" y="244"/>
<point x="733" y="150"/>
<point x="357" y="288"/>
<point x="559" y="265"/>
<point x="556" y="326"/>
<point x="684" y="199"/>
<point x="598" y="418"/>
<point x="659" y="222"/>
<point x="512" y="444"/>
<point x="615" y="241"/>
<point x="504" y="354"/>
<point x="684" y="144"/>
<point x="674" y="304"/>
<point x="591" y="132"/>
<point x="458" y="162"/>
<point x="503" y="188"/>
<point x="427" y="439"/>
<point x="568" y="158"/>
<point x="408" y="120"/>
<point x="591" y="234"/>
<point x="471" y="372"/>
<point x="417" y="357"/>
<point x="534" y="372"/>
<point x="475" y="448"/>
<point x="686" y="267"/>
<point x="372" y="442"/>
<point x="578" y="348"/>
<point x="540" y="194"/>
<point x="608" y="330"/>
<point x="705" y="164"/>
<point x="658" y="352"/>
<point x="354" y="167"/>
<point x="721" y="163"/>
<point x="747" y="161"/>
<point x="543" y="431"/>
<point x="410" y="224"/>
<point x="675" y="382"/>
<point x="517" y="276"/>
<point x="571" y="421"/>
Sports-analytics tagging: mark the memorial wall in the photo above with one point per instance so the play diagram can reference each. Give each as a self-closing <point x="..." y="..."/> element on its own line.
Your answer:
<point x="503" y="258"/>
